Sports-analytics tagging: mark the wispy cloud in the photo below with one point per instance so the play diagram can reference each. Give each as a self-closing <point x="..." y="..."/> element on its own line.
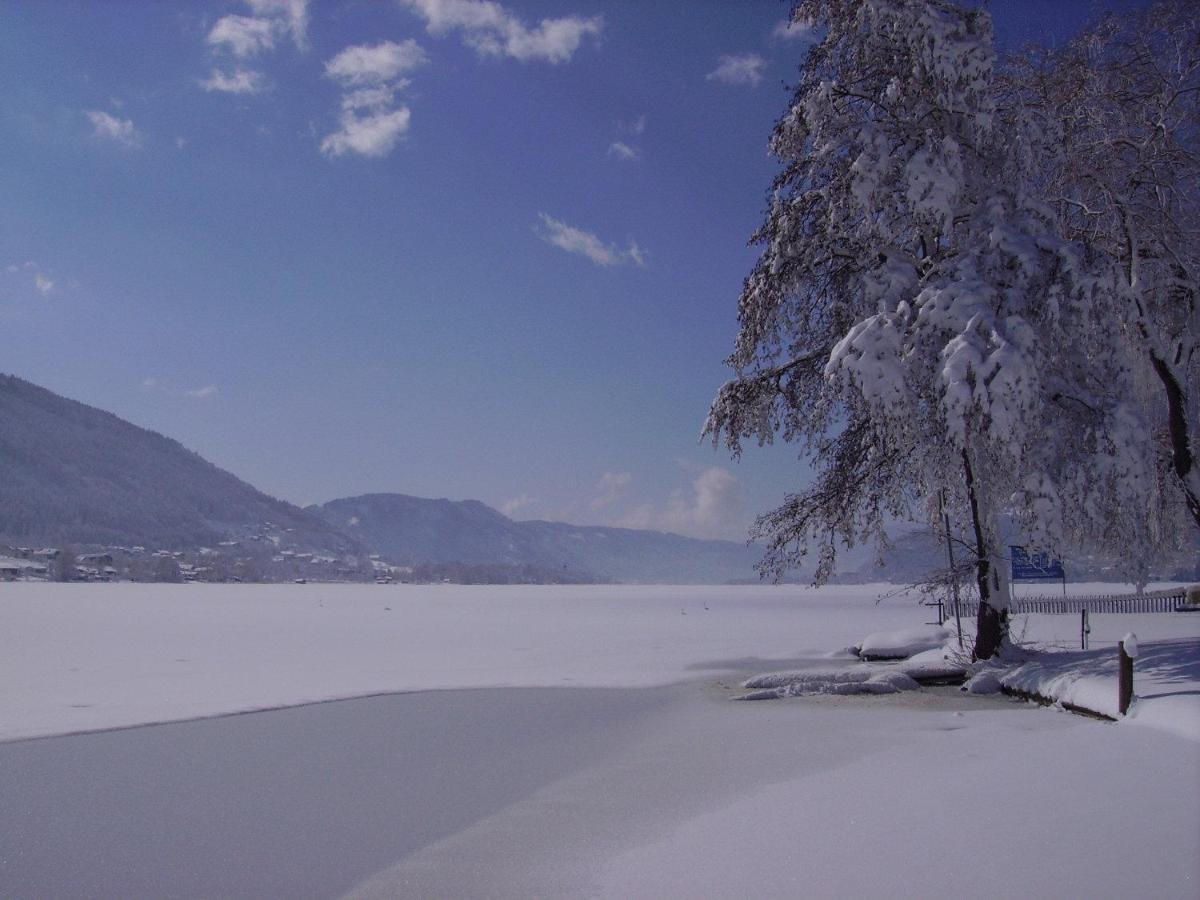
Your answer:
<point x="370" y="123"/>
<point x="201" y="393"/>
<point x="511" y="507"/>
<point x="243" y="35"/>
<point x="42" y="282"/>
<point x="372" y="135"/>
<point x="492" y="30"/>
<point x="611" y="487"/>
<point x="584" y="243"/>
<point x="108" y="127"/>
<point x="626" y="147"/>
<point x="746" y="69"/>
<point x="291" y="15"/>
<point x="793" y="30"/>
<point x="239" y="81"/>
<point x="622" y="151"/>
<point x="710" y="508"/>
<point x="377" y="64"/>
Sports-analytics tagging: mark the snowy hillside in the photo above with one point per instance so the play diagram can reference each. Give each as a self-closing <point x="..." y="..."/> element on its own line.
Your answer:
<point x="73" y="474"/>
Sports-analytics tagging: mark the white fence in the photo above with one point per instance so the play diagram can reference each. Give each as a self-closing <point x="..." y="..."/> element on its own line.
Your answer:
<point x="1151" y="602"/>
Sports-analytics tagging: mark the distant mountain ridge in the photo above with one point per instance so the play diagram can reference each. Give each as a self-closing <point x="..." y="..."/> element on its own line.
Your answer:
<point x="410" y="530"/>
<point x="74" y="474"/>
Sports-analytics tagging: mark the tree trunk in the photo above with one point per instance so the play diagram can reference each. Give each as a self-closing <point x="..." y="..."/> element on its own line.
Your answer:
<point x="1182" y="461"/>
<point x="992" y="621"/>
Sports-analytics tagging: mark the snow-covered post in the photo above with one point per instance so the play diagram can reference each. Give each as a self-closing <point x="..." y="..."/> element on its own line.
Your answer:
<point x="1127" y="651"/>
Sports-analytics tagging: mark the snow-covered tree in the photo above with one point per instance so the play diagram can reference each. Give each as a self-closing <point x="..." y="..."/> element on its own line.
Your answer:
<point x="1118" y="112"/>
<point x="916" y="321"/>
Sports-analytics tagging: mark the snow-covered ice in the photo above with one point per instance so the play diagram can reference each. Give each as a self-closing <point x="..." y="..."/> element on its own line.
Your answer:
<point x="85" y="657"/>
<point x="660" y="789"/>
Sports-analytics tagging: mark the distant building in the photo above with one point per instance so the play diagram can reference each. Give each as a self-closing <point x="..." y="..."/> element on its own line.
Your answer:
<point x="12" y="568"/>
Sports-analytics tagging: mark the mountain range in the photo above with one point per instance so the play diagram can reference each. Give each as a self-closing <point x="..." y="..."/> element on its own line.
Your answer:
<point x="74" y="475"/>
<point x="412" y="530"/>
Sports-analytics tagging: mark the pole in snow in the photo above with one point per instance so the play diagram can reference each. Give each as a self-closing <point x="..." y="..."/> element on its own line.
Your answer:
<point x="1127" y="651"/>
<point x="953" y="577"/>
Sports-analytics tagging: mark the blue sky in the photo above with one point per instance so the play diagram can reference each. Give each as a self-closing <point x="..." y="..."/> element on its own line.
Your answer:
<point x="442" y="247"/>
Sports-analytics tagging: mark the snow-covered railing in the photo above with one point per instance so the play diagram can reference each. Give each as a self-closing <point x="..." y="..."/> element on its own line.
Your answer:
<point x="1152" y="602"/>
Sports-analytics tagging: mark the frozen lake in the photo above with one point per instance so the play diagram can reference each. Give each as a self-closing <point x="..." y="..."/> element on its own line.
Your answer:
<point x="85" y="657"/>
<point x="555" y="742"/>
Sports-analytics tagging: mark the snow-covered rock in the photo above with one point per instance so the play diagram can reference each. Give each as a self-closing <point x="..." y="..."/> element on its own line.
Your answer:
<point x="903" y="643"/>
<point x="985" y="682"/>
<point x="933" y="664"/>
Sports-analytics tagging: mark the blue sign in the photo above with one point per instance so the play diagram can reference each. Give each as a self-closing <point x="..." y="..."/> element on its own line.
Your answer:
<point x="1035" y="566"/>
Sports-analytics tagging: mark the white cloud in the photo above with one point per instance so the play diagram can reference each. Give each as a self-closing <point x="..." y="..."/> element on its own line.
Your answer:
<point x="611" y="487"/>
<point x="239" y="81"/>
<point x="365" y="65"/>
<point x="491" y="30"/>
<point x="243" y="35"/>
<point x="43" y="284"/>
<point x="110" y="128"/>
<point x="621" y="150"/>
<point x="576" y="240"/>
<point x="370" y="126"/>
<point x="637" y="126"/>
<point x="208" y="390"/>
<point x="290" y="15"/>
<point x="511" y="507"/>
<point x="372" y="135"/>
<point x="712" y="508"/>
<point x="744" y="69"/>
<point x="789" y="30"/>
<point x="372" y="98"/>
<point x="247" y="36"/>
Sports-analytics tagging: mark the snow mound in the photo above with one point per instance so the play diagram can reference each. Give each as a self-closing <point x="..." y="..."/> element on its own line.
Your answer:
<point x="1131" y="645"/>
<point x="932" y="664"/>
<point x="903" y="643"/>
<point x="986" y="682"/>
<point x="1166" y="683"/>
<point x="863" y="680"/>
